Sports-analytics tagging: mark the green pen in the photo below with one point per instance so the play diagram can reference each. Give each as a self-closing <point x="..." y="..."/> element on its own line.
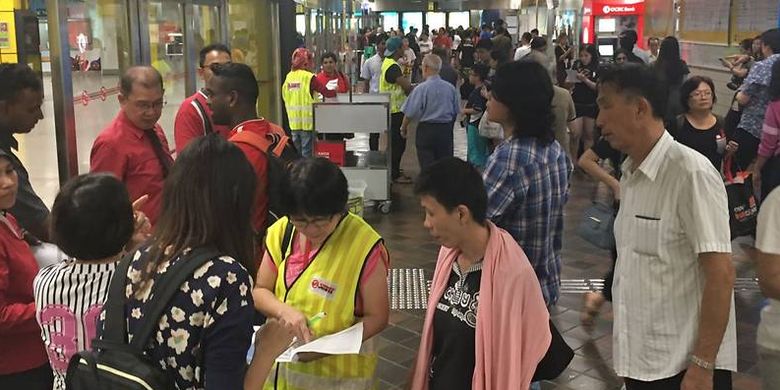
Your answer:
<point x="313" y="320"/>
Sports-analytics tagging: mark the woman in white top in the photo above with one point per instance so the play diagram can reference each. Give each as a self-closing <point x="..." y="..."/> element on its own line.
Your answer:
<point x="426" y="45"/>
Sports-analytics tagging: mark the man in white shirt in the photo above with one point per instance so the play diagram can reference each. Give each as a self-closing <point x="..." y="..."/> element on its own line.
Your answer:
<point x="525" y="46"/>
<point x="673" y="293"/>
<point x="372" y="67"/>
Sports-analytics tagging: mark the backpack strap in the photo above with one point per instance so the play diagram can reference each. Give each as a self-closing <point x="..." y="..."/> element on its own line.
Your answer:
<point x="165" y="288"/>
<point x="253" y="139"/>
<point x="115" y="327"/>
<point x="207" y="128"/>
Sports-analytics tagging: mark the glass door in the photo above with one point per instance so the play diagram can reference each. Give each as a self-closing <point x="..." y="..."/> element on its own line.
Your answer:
<point x="167" y="55"/>
<point x="98" y="39"/>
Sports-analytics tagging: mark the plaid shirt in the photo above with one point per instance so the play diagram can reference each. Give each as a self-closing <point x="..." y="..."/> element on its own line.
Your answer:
<point x="528" y="185"/>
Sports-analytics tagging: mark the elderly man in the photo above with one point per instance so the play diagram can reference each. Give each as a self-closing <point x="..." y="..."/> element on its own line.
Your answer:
<point x="435" y="104"/>
<point x="133" y="146"/>
<point x="673" y="294"/>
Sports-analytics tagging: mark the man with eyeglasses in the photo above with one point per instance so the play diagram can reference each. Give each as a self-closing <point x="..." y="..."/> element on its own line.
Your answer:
<point x="133" y="146"/>
<point x="194" y="118"/>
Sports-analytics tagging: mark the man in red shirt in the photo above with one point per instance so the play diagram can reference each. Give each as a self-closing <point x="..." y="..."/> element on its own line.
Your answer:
<point x="331" y="78"/>
<point x="194" y="117"/>
<point x="233" y="95"/>
<point x="133" y="146"/>
<point x="443" y="39"/>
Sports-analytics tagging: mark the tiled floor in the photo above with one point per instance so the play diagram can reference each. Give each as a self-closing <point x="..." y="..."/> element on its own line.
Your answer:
<point x="411" y="247"/>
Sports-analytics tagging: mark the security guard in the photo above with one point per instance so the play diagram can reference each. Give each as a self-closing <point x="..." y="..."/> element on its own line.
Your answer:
<point x="299" y="93"/>
<point x="393" y="82"/>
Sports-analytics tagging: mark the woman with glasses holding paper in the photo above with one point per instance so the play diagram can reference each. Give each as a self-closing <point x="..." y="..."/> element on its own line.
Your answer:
<point x="324" y="270"/>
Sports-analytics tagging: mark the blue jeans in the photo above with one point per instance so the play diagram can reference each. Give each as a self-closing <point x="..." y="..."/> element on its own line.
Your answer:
<point x="304" y="142"/>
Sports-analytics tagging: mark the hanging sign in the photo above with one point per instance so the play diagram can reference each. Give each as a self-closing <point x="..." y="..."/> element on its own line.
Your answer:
<point x="5" y="38"/>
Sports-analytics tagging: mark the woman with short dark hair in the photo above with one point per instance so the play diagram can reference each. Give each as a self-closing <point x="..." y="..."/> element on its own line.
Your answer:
<point x="698" y="127"/>
<point x="324" y="270"/>
<point x="486" y="326"/>
<point x="92" y="222"/>
<point x="527" y="176"/>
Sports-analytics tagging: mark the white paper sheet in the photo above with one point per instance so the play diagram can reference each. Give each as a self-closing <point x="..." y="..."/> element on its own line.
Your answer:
<point x="346" y="342"/>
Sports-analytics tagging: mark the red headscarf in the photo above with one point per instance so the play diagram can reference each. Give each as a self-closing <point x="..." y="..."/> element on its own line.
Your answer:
<point x="302" y="58"/>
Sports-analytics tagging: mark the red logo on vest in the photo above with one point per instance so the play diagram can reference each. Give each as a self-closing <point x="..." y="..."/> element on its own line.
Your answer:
<point x="322" y="287"/>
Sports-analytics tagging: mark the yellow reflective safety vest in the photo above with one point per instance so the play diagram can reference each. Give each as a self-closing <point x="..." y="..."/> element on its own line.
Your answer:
<point x="397" y="96"/>
<point x="296" y="93"/>
<point x="328" y="284"/>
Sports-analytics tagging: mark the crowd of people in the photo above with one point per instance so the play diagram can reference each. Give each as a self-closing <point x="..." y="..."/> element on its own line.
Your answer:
<point x="276" y="245"/>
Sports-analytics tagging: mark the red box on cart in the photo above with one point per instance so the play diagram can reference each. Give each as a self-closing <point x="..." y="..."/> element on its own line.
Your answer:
<point x="335" y="151"/>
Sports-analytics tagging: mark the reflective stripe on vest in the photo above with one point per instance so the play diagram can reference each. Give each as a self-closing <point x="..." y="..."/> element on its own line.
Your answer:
<point x="296" y="93"/>
<point x="328" y="284"/>
<point x="397" y="95"/>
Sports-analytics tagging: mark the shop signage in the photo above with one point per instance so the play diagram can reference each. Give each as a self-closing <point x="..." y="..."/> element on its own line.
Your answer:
<point x="618" y="9"/>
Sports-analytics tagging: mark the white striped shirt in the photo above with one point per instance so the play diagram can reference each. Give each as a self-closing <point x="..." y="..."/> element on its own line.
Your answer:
<point x="673" y="208"/>
<point x="68" y="299"/>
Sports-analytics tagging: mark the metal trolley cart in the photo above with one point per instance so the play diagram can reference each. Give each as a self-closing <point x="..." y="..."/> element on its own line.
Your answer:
<point x="372" y="168"/>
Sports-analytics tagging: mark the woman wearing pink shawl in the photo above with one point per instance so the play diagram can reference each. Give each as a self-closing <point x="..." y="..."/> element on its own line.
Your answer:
<point x="487" y="326"/>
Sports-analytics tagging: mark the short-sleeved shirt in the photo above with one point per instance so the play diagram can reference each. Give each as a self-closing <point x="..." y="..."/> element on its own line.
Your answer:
<point x="203" y="337"/>
<point x="478" y="103"/>
<point x="756" y="85"/>
<point x="467" y="55"/>
<point x="371" y="71"/>
<point x="69" y="292"/>
<point x="124" y="150"/>
<point x="527" y="184"/>
<point x="767" y="232"/>
<point x="454" y="326"/>
<point x="393" y="73"/>
<point x="770" y="134"/>
<point x="29" y="209"/>
<point x="565" y="112"/>
<point x="704" y="141"/>
<point x="583" y="94"/>
<point x="190" y="122"/>
<point x="673" y="208"/>
<point x="433" y="101"/>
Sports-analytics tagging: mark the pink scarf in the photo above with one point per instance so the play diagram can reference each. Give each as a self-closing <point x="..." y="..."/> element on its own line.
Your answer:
<point x="512" y="333"/>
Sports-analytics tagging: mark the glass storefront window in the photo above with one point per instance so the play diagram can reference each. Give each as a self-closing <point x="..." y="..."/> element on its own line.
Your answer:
<point x="166" y="40"/>
<point x="457" y="19"/>
<point x="412" y="19"/>
<point x="436" y="20"/>
<point x="389" y="20"/>
<point x="300" y="24"/>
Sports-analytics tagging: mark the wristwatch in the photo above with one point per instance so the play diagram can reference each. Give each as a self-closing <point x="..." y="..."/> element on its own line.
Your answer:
<point x="702" y="363"/>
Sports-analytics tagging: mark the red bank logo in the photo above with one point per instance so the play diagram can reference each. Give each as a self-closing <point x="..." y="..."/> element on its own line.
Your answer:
<point x="322" y="287"/>
<point x="618" y="9"/>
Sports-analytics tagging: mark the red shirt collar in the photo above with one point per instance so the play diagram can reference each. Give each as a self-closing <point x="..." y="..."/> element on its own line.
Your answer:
<point x="259" y="124"/>
<point x="127" y="124"/>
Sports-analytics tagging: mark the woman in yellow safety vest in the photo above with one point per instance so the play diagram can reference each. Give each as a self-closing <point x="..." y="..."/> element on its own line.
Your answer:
<point x="298" y="92"/>
<point x="324" y="270"/>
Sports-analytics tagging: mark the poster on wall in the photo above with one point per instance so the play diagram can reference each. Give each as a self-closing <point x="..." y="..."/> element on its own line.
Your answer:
<point x="79" y="34"/>
<point x="5" y="39"/>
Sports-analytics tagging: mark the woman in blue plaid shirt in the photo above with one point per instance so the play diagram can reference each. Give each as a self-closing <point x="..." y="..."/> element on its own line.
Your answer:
<point x="527" y="177"/>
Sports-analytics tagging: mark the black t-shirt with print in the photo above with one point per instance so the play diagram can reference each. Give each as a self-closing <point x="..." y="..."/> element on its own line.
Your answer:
<point x="452" y="362"/>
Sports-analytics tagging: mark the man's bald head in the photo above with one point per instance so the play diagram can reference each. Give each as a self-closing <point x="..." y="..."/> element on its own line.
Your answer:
<point x="146" y="76"/>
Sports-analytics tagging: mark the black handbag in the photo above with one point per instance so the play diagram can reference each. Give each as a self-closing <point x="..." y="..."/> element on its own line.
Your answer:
<point x="598" y="226"/>
<point x="557" y="358"/>
<point x="743" y="206"/>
